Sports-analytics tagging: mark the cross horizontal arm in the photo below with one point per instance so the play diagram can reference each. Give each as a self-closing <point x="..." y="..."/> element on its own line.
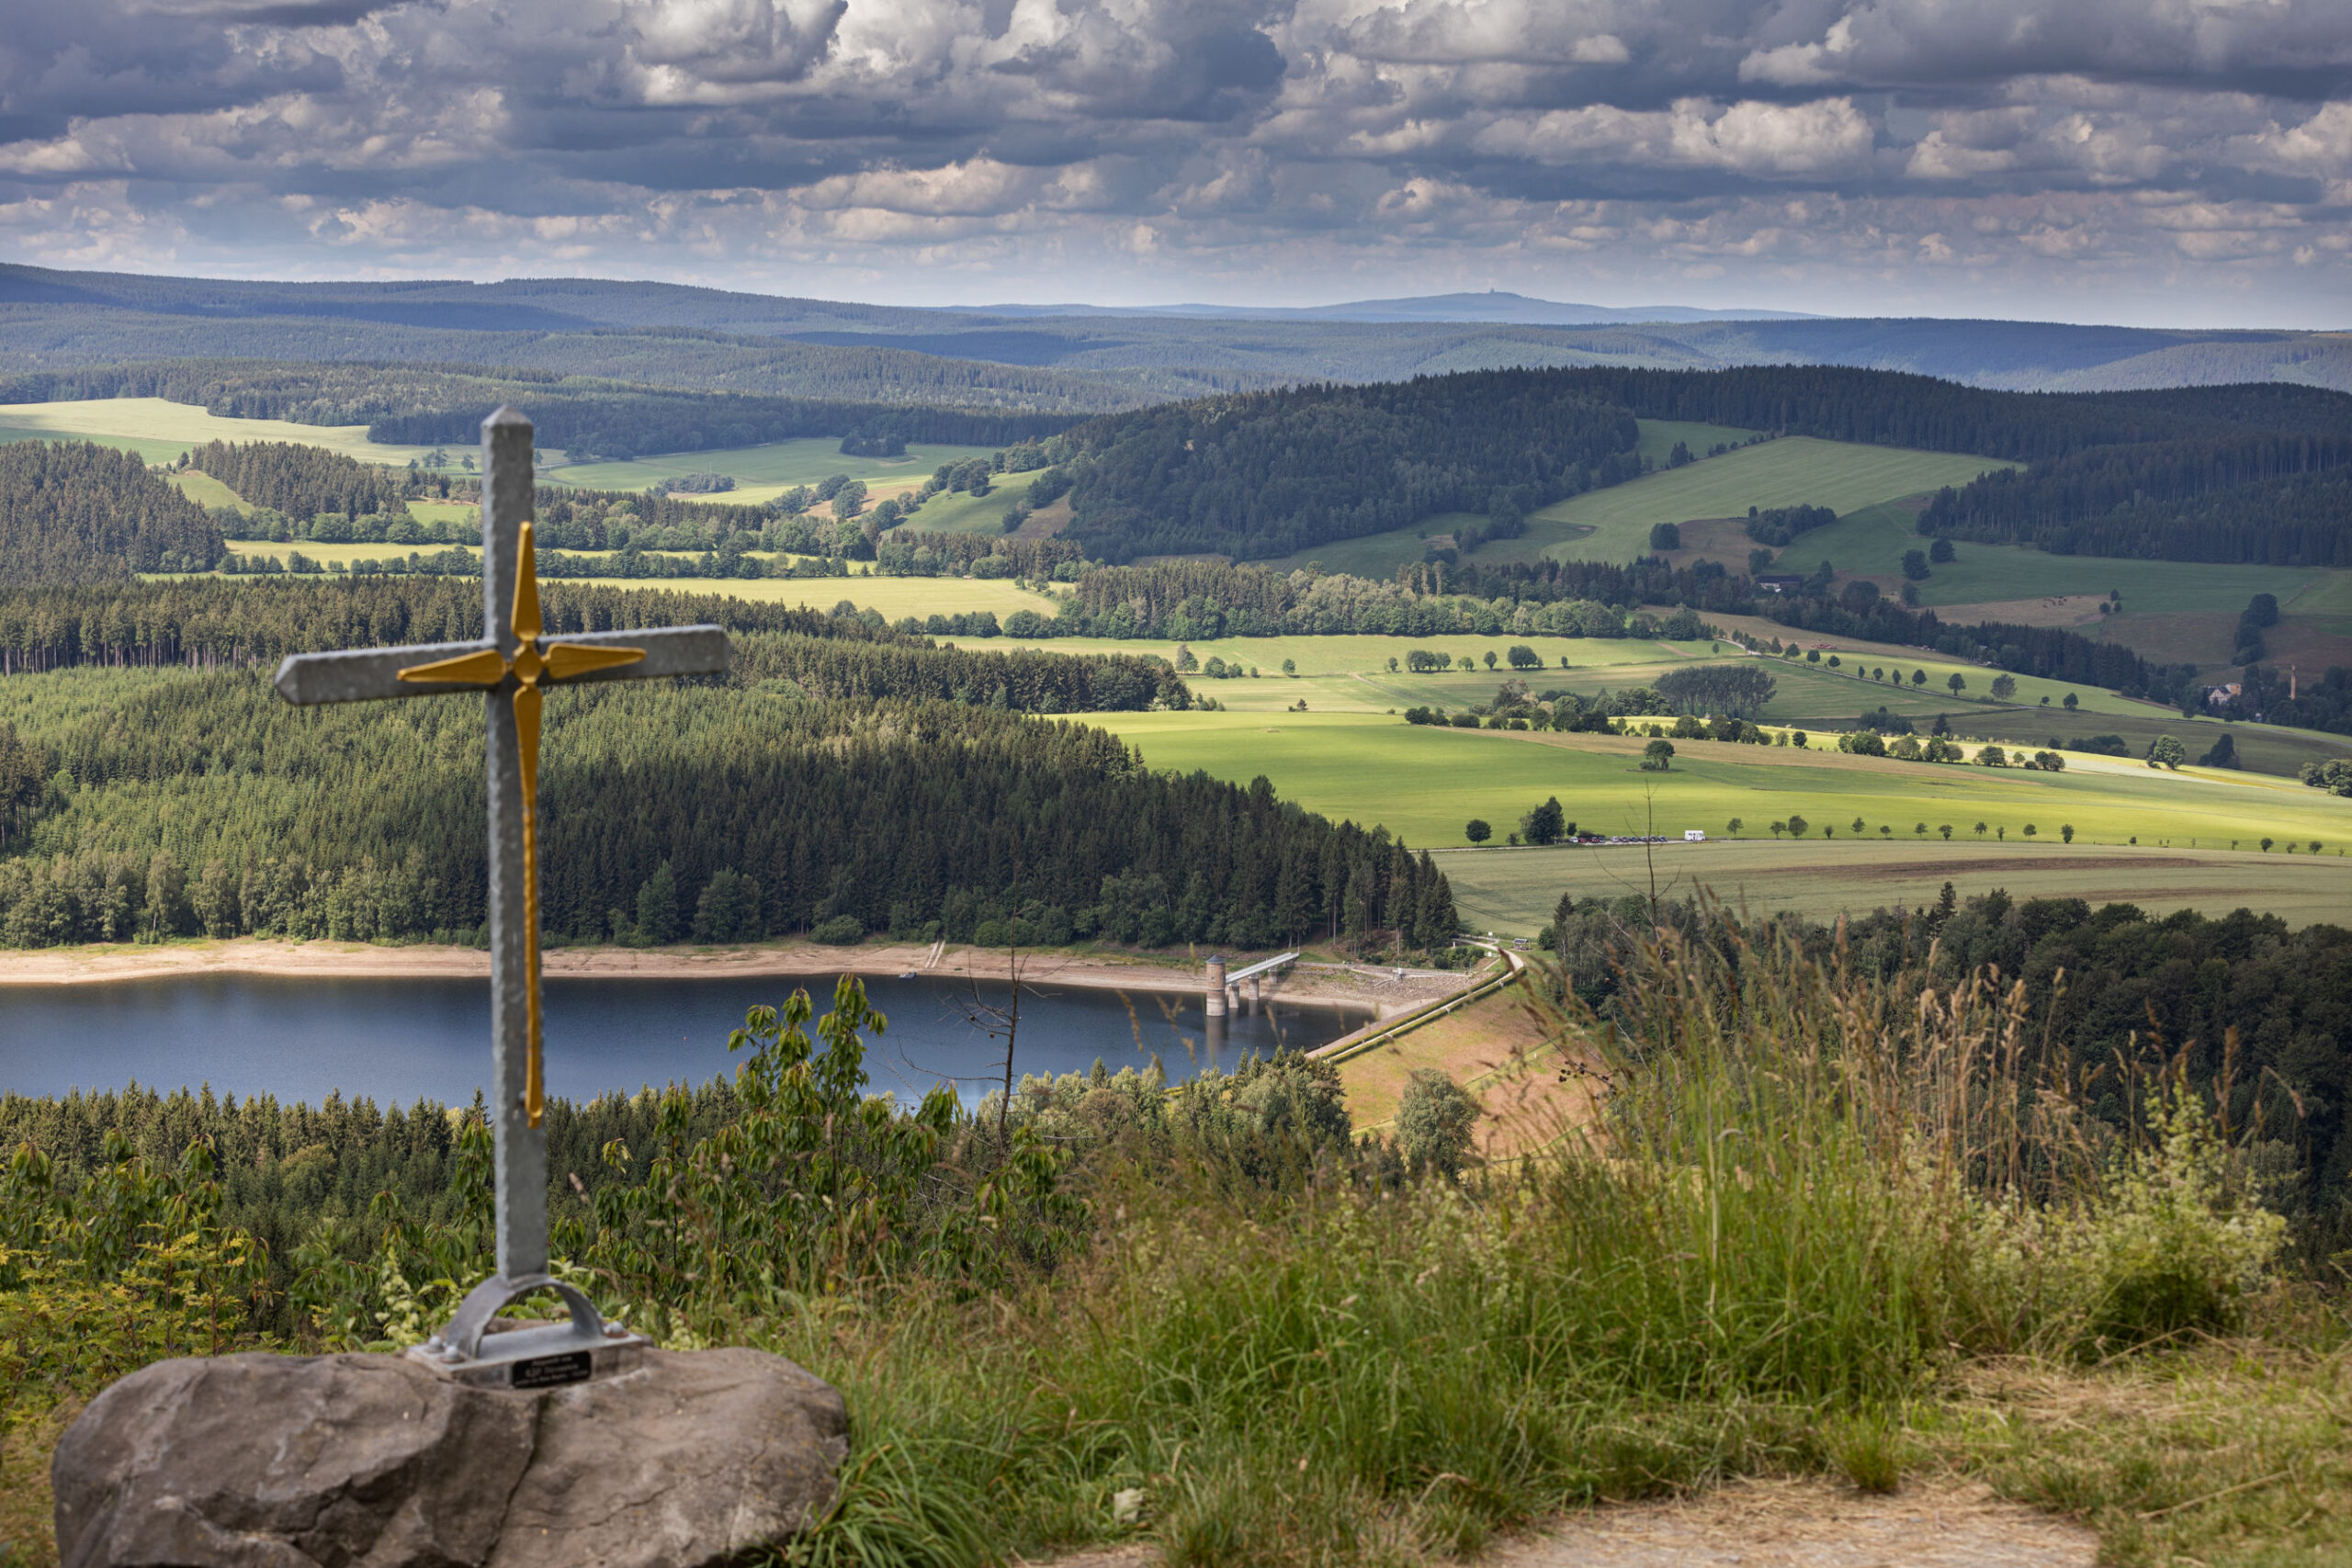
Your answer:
<point x="669" y="650"/>
<point x="368" y="675"/>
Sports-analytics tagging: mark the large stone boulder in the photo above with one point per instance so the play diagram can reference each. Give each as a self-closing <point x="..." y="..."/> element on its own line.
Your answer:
<point x="376" y="1462"/>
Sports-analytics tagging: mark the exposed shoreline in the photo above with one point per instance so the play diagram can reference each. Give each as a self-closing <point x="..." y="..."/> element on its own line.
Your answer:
<point x="1321" y="986"/>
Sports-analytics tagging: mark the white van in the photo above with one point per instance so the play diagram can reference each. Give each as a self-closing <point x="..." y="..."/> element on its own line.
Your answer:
<point x="1694" y="835"/>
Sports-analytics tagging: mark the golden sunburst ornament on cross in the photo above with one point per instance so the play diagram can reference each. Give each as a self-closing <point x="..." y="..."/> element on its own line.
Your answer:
<point x="531" y="664"/>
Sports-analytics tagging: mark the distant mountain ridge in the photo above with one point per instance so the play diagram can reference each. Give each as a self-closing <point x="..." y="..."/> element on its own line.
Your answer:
<point x="1495" y="305"/>
<point x="1027" y="357"/>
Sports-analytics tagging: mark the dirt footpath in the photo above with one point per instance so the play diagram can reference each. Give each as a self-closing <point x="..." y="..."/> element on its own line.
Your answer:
<point x="1811" y="1524"/>
<point x="1779" y="1524"/>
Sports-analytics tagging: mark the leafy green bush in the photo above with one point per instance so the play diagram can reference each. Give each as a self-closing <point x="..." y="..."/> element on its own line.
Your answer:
<point x="840" y="930"/>
<point x="2170" y="1245"/>
<point x="1434" y="1118"/>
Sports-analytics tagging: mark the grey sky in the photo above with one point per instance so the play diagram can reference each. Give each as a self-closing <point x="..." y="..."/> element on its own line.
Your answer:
<point x="2165" y="161"/>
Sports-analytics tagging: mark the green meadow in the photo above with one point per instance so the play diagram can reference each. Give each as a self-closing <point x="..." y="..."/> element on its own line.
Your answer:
<point x="763" y="473"/>
<point x="1613" y="525"/>
<point x="1425" y="783"/>
<point x="960" y="511"/>
<point x="205" y="491"/>
<point x="158" y="429"/>
<point x="1514" y="891"/>
<point x="1870" y="541"/>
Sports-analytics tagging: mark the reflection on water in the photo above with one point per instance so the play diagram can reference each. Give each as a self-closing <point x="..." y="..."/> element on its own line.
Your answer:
<point x="399" y="1040"/>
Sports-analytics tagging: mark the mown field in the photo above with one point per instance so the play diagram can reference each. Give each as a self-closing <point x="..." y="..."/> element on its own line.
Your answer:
<point x="2174" y="612"/>
<point x="960" y="511"/>
<point x="1513" y="891"/>
<point x="1613" y="525"/>
<point x="1425" y="783"/>
<point x="205" y="491"/>
<point x="894" y="597"/>
<point x="1353" y="654"/>
<point x="160" y="431"/>
<point x="763" y="473"/>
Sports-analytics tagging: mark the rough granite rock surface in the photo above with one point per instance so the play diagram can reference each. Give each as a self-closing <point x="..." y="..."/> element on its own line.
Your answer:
<point x="373" y="1461"/>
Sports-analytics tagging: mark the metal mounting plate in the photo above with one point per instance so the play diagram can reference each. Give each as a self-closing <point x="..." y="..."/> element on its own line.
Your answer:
<point x="474" y="1348"/>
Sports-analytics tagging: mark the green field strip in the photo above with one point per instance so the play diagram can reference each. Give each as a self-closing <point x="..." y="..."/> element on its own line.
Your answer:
<point x="1369" y="653"/>
<point x="763" y="472"/>
<point x="1515" y="891"/>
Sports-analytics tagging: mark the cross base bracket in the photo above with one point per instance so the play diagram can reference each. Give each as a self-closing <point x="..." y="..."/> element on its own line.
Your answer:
<point x="472" y="1350"/>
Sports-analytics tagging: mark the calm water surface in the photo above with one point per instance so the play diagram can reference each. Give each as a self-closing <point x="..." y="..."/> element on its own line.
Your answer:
<point x="393" y="1040"/>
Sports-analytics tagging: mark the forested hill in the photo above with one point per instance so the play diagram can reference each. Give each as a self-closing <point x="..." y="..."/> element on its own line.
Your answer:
<point x="71" y="511"/>
<point x="1267" y="473"/>
<point x="1892" y="408"/>
<point x="2235" y="473"/>
<point x="300" y="480"/>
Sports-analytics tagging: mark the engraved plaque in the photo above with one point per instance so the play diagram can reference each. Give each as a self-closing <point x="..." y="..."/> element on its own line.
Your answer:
<point x="553" y="1372"/>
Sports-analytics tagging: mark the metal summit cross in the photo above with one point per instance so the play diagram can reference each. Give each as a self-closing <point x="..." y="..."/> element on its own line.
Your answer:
<point x="512" y="666"/>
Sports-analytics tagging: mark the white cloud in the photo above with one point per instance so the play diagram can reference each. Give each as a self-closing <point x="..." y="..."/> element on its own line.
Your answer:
<point x="1796" y="142"/>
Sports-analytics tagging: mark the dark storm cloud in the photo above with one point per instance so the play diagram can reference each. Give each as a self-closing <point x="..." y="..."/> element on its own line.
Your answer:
<point x="1822" y="145"/>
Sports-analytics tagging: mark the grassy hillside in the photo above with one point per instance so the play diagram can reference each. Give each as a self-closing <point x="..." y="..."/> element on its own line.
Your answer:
<point x="205" y="491"/>
<point x="1613" y="525"/>
<point x="1425" y="783"/>
<point x="960" y="511"/>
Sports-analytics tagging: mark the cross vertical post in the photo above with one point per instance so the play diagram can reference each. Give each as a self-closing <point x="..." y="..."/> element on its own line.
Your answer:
<point x="513" y="664"/>
<point x="520" y="1157"/>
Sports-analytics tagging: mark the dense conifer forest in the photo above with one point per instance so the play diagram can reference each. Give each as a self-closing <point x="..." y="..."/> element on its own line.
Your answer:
<point x="845" y="777"/>
<point x="2160" y="504"/>
<point x="212" y="623"/>
<point x="302" y="482"/>
<point x="71" y="511"/>
<point x="198" y="803"/>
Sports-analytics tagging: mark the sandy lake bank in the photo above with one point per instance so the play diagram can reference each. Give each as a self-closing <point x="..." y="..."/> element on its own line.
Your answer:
<point x="1359" y="985"/>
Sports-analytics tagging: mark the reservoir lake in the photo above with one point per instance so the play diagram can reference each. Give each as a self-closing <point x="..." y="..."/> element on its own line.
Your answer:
<point x="394" y="1041"/>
